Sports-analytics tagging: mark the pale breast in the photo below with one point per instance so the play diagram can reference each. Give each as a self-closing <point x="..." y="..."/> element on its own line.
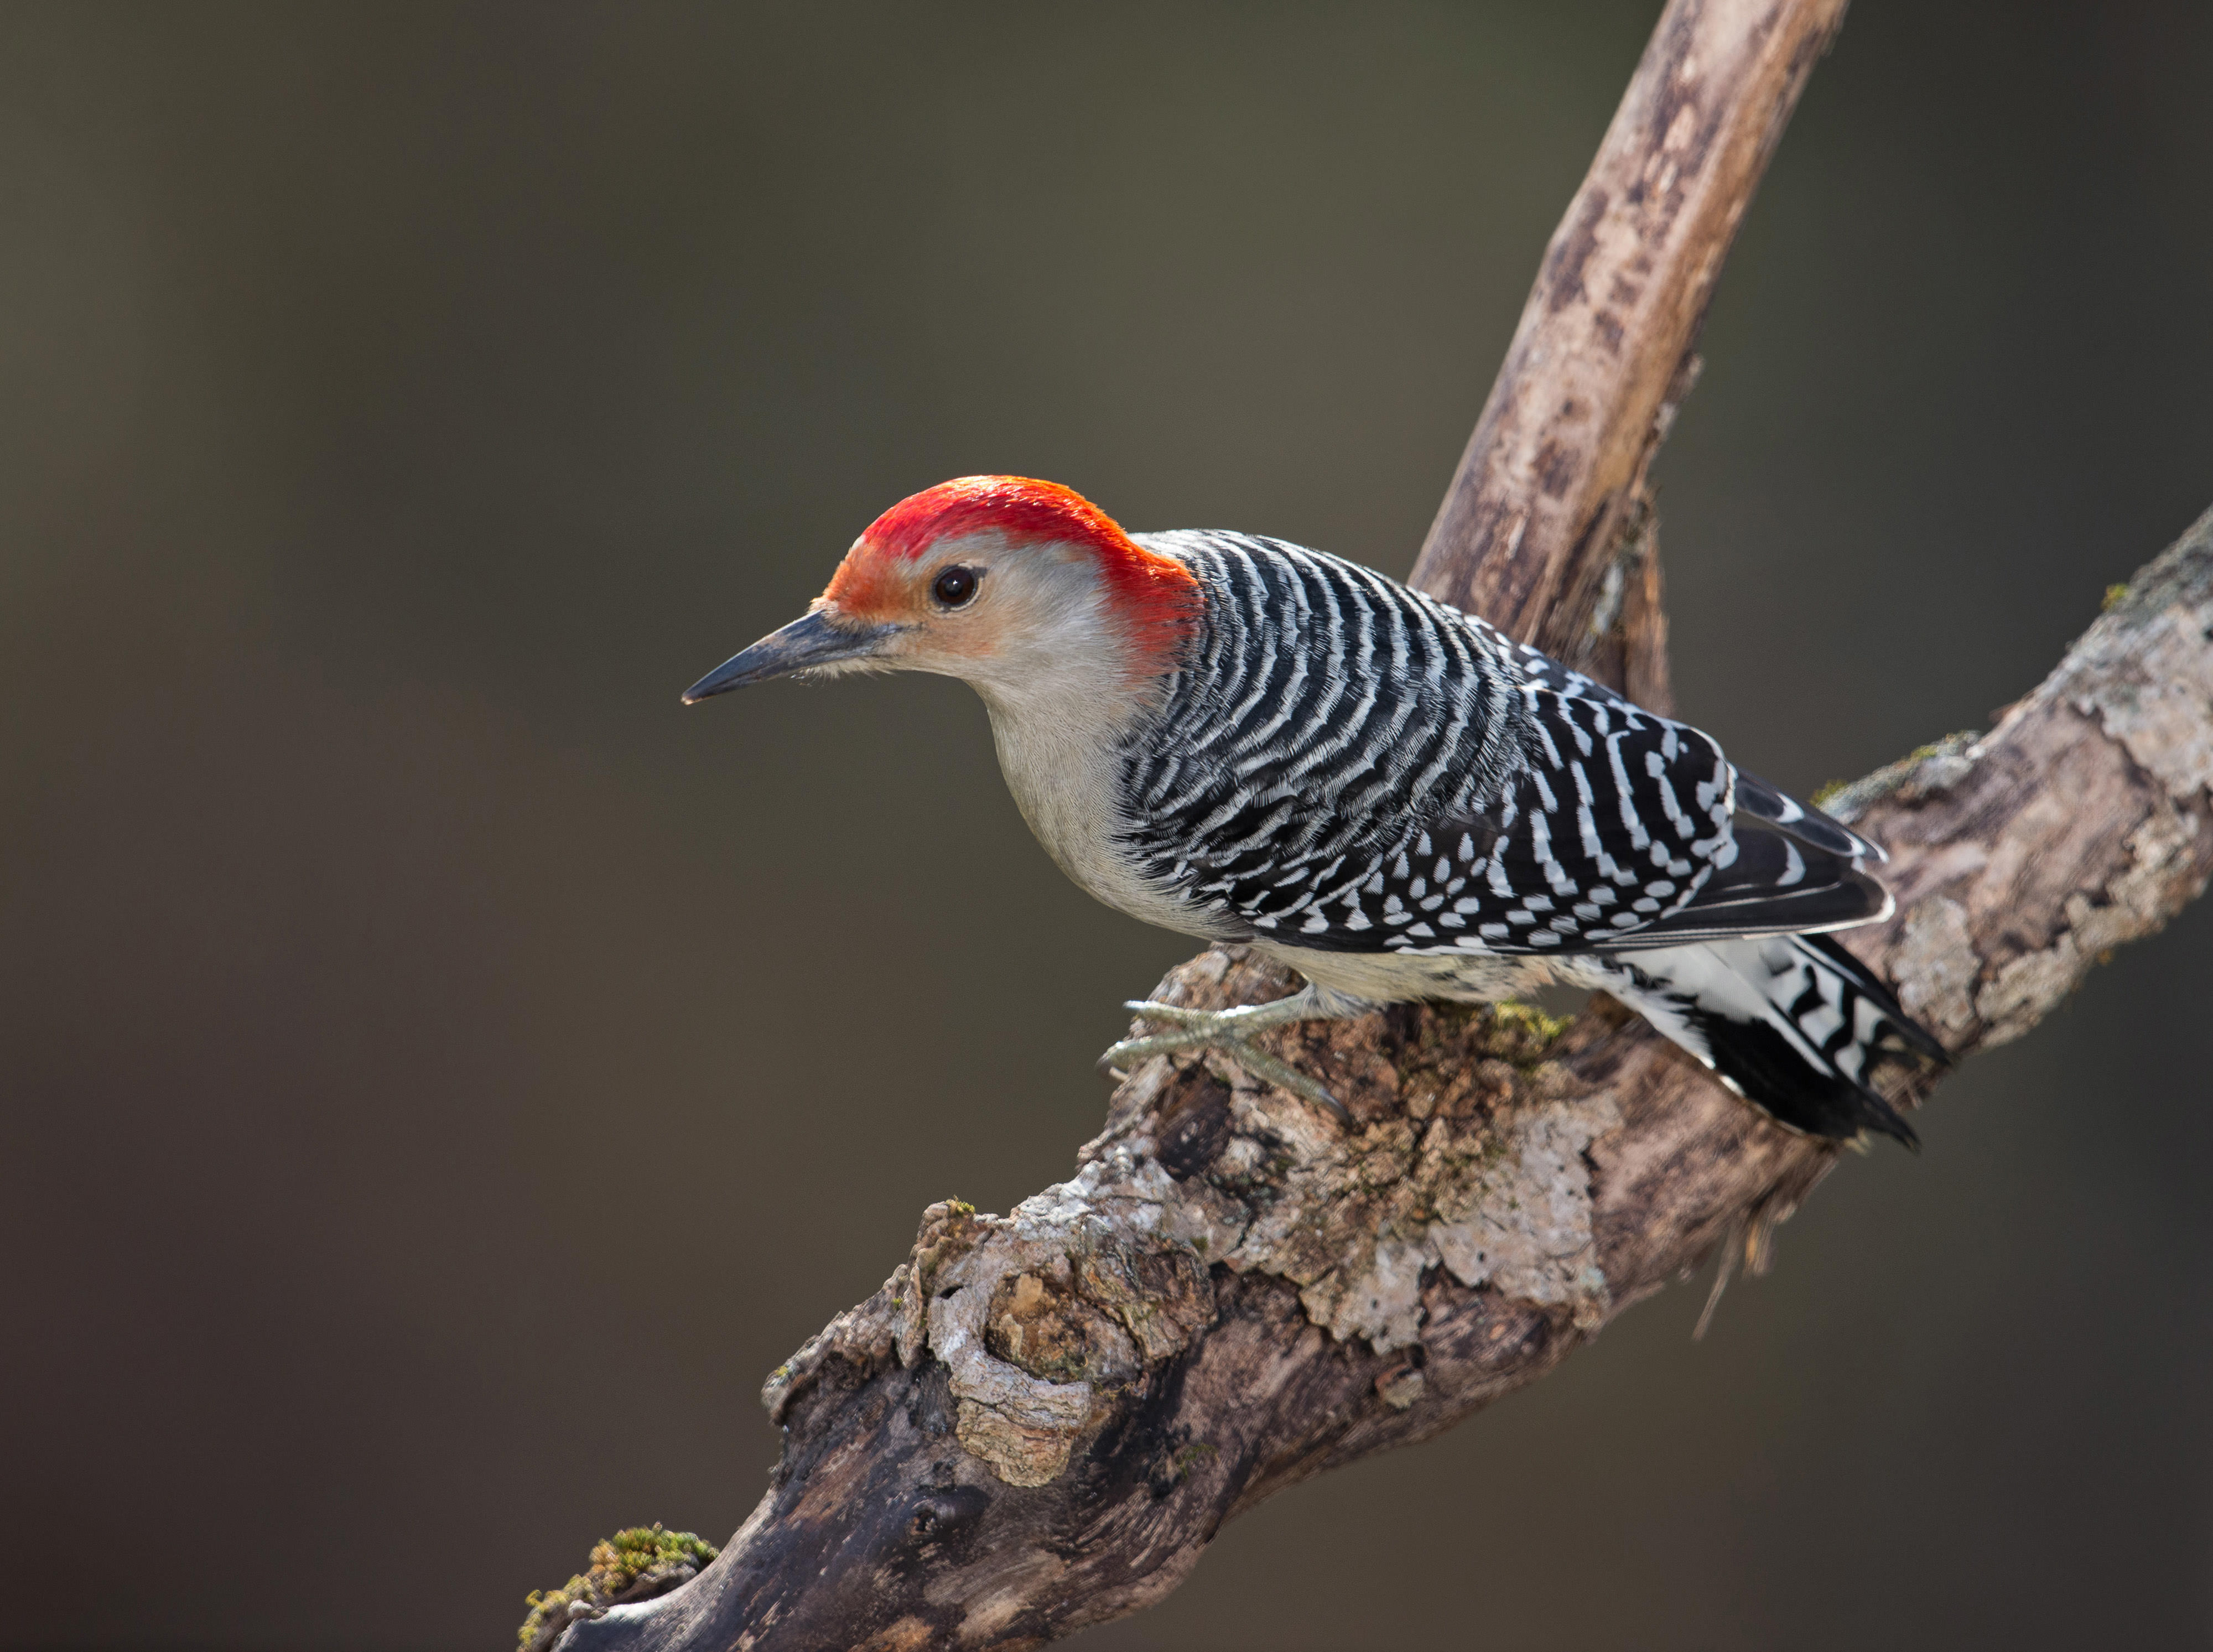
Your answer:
<point x="1063" y="765"/>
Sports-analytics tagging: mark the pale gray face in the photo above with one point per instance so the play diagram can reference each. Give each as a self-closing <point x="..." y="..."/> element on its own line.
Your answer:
<point x="1013" y="616"/>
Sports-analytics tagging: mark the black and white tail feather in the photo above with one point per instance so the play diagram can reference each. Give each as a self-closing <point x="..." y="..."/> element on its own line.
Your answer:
<point x="1793" y="1023"/>
<point x="1385" y="789"/>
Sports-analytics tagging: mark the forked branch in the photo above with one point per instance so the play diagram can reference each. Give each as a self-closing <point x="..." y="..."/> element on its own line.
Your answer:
<point x="1042" y="1419"/>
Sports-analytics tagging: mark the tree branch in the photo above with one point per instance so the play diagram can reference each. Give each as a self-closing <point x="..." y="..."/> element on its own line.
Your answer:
<point x="1551" y="490"/>
<point x="1041" y="1420"/>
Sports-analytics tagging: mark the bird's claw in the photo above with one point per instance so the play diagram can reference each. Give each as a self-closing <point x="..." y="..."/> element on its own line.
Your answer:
<point x="1175" y="1014"/>
<point x="1203" y="1029"/>
<point x="1285" y="1076"/>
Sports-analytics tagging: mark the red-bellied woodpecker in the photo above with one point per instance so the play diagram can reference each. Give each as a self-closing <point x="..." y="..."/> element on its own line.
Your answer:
<point x="1244" y="740"/>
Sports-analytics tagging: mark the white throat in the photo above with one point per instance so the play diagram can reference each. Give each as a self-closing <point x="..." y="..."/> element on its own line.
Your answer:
<point x="1061" y="707"/>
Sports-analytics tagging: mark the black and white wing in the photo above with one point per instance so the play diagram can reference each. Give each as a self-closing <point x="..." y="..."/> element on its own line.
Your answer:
<point x="1635" y="831"/>
<point x="1351" y="767"/>
<point x="1620" y="830"/>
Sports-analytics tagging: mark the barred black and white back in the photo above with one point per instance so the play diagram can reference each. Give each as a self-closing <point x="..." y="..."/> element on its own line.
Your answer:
<point x="1406" y="804"/>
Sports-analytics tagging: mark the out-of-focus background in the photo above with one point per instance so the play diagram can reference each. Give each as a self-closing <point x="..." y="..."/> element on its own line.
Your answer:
<point x="441" y="1076"/>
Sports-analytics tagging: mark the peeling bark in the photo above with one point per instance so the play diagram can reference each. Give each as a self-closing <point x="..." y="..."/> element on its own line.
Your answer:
<point x="1041" y="1420"/>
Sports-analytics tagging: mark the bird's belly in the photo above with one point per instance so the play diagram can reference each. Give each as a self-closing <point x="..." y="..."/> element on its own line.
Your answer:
<point x="1400" y="978"/>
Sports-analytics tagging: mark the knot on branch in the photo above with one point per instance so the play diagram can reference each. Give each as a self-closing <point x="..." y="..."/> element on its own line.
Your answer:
<point x="1042" y="1319"/>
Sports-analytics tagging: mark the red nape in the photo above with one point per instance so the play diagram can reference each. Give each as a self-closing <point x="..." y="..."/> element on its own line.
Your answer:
<point x="1152" y="588"/>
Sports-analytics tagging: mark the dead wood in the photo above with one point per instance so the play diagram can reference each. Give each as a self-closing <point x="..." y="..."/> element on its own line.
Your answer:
<point x="1042" y="1418"/>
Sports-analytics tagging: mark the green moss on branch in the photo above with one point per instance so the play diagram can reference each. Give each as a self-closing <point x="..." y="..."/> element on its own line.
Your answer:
<point x="635" y="1564"/>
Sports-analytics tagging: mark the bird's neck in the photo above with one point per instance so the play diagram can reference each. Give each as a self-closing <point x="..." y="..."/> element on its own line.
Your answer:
<point x="1062" y="745"/>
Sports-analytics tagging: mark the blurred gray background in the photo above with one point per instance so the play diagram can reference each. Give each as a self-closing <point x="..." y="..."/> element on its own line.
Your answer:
<point x="442" y="1076"/>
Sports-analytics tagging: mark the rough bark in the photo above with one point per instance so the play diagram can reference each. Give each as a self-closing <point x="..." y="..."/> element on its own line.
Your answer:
<point x="1041" y="1420"/>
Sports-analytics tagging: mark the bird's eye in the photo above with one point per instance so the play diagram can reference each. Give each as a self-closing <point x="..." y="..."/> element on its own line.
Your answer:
<point x="955" y="586"/>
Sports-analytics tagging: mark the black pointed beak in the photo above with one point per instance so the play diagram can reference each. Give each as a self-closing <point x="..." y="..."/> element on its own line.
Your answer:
<point x="810" y="640"/>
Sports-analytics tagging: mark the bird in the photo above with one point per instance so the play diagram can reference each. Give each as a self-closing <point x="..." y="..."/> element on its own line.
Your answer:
<point x="1247" y="742"/>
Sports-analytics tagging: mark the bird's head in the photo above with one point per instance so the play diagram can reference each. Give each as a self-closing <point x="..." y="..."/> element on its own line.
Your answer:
<point x="1019" y="586"/>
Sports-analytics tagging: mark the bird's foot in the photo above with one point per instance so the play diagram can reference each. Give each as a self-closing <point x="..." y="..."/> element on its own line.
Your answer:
<point x="1229" y="1031"/>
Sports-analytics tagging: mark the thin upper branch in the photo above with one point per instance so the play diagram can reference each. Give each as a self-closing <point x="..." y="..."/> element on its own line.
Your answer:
<point x="1551" y="491"/>
<point x="1601" y="357"/>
